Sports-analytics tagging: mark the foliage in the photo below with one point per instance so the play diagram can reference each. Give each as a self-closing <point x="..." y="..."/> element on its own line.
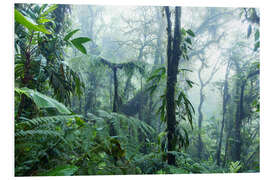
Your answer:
<point x="39" y="55"/>
<point x="235" y="166"/>
<point x="31" y="27"/>
<point x="42" y="101"/>
<point x="64" y="91"/>
<point x="186" y="44"/>
<point x="66" y="170"/>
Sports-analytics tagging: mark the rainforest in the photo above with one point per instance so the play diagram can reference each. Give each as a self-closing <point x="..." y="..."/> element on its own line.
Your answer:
<point x="123" y="90"/>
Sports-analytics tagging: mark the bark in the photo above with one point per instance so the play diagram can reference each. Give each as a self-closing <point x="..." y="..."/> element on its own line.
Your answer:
<point x="115" y="82"/>
<point x="88" y="103"/>
<point x="238" y="124"/>
<point x="111" y="101"/>
<point x="225" y="100"/>
<point x="227" y="146"/>
<point x="240" y="113"/>
<point x="173" y="56"/>
<point x="127" y="86"/>
<point x="200" y="119"/>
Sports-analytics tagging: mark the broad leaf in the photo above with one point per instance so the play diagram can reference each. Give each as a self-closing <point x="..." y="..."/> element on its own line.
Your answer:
<point x="78" y="43"/>
<point x="49" y="10"/>
<point x="191" y="33"/>
<point x="257" y="46"/>
<point x="188" y="40"/>
<point x="81" y="40"/>
<point x="43" y="101"/>
<point x="44" y="20"/>
<point x="68" y="36"/>
<point x="66" y="170"/>
<point x="32" y="27"/>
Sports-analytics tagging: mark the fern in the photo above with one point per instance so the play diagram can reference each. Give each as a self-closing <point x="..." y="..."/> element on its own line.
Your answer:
<point x="44" y="132"/>
<point x="235" y="167"/>
<point x="45" y="120"/>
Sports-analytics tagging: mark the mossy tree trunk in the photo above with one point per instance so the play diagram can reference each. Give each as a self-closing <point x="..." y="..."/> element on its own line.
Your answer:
<point x="173" y="57"/>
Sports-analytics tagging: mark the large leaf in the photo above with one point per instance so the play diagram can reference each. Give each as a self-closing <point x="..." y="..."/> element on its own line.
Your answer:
<point x="66" y="170"/>
<point x="77" y="42"/>
<point x="43" y="101"/>
<point x="44" y="20"/>
<point x="68" y="36"/>
<point x="257" y="46"/>
<point x="191" y="33"/>
<point x="29" y="25"/>
<point x="49" y="10"/>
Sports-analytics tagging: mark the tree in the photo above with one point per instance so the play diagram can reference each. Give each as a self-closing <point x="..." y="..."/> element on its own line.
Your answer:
<point x="203" y="84"/>
<point x="173" y="57"/>
<point x="224" y="109"/>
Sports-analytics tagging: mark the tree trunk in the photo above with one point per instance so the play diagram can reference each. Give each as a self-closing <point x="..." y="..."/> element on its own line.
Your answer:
<point x="200" y="119"/>
<point x="115" y="99"/>
<point x="225" y="100"/>
<point x="238" y="124"/>
<point x="173" y="56"/>
<point x="115" y="82"/>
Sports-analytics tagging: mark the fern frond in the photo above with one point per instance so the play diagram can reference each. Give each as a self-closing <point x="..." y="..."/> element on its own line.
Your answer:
<point x="46" y="120"/>
<point x="44" y="132"/>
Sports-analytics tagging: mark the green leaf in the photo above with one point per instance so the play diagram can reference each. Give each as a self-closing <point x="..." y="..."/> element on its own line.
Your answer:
<point x="257" y="35"/>
<point x="49" y="10"/>
<point x="185" y="70"/>
<point x="42" y="8"/>
<point x="190" y="83"/>
<point x="80" y="47"/>
<point x="68" y="36"/>
<point x="81" y="40"/>
<point x="44" y="20"/>
<point x="78" y="43"/>
<point x="79" y="121"/>
<point x="257" y="46"/>
<point x="66" y="170"/>
<point x="191" y="33"/>
<point x="161" y="135"/>
<point x="30" y="26"/>
<point x="183" y="32"/>
<point x="43" y="101"/>
<point x="188" y="40"/>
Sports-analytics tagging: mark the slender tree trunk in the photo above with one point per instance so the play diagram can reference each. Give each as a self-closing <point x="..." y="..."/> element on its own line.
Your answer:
<point x="127" y="86"/>
<point x="238" y="124"/>
<point x="173" y="56"/>
<point x="200" y="119"/>
<point x="225" y="100"/>
<point x="227" y="147"/>
<point x="115" y="99"/>
<point x="111" y="96"/>
<point x="115" y="82"/>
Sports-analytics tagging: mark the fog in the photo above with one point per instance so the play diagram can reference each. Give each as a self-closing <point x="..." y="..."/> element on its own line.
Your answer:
<point x="113" y="69"/>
